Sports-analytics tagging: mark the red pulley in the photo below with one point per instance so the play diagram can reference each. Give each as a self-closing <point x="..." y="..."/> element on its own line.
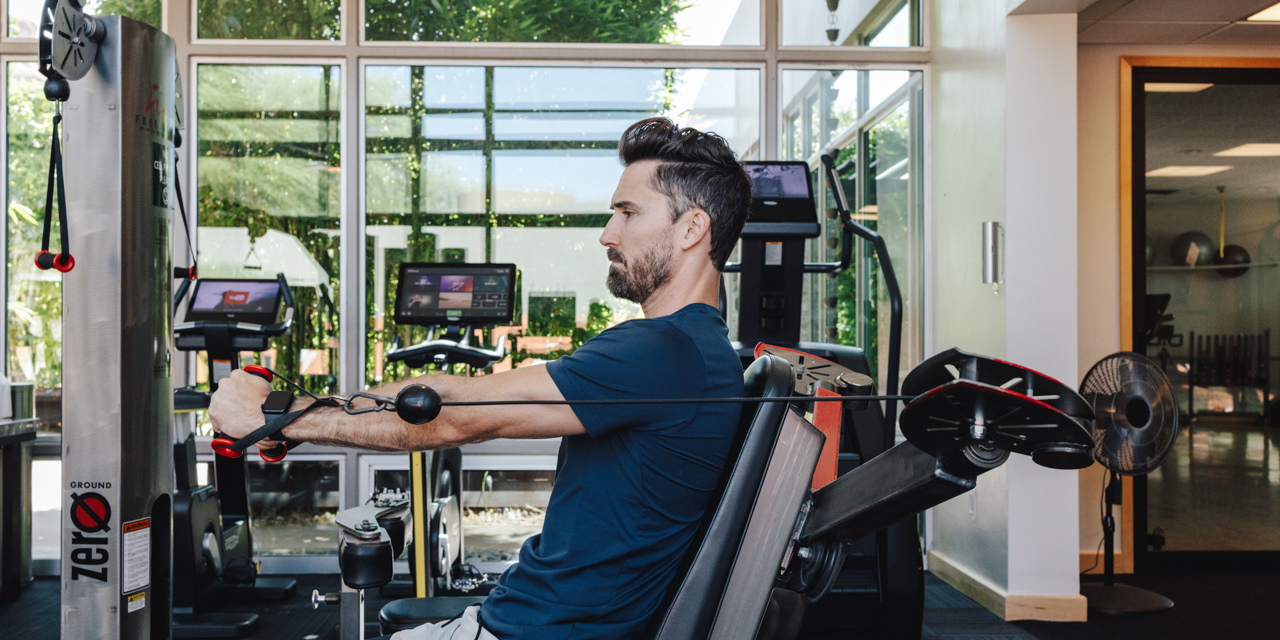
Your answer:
<point x="222" y="447"/>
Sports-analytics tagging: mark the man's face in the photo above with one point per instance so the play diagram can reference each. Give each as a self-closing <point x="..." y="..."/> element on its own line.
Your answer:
<point x="639" y="236"/>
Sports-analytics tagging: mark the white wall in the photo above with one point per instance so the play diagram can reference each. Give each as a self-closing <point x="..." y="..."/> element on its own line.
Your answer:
<point x="1040" y="65"/>
<point x="968" y="160"/>
<point x="1004" y="144"/>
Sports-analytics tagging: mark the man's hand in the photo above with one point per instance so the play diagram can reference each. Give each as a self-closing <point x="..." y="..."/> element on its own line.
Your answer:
<point x="236" y="408"/>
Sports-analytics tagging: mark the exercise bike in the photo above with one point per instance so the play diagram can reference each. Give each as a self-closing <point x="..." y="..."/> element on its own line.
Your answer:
<point x="213" y="536"/>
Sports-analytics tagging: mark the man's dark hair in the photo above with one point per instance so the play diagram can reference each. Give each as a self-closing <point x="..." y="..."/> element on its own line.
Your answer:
<point x="698" y="170"/>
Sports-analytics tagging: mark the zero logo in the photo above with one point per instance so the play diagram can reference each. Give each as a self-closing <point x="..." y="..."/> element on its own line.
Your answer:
<point x="90" y="513"/>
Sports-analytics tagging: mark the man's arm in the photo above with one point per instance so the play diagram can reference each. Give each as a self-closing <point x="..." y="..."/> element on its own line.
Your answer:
<point x="236" y="411"/>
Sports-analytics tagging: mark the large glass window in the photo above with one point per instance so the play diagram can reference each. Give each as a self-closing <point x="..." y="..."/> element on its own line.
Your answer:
<point x="270" y="20"/>
<point x="268" y="190"/>
<point x="692" y="22"/>
<point x="869" y="121"/>
<point x="24" y="15"/>
<point x="34" y="296"/>
<point x="517" y="164"/>
<point x="865" y="23"/>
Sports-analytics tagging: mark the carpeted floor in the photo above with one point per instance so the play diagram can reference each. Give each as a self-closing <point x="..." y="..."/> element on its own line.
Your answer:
<point x="1238" y="606"/>
<point x="1207" y="605"/>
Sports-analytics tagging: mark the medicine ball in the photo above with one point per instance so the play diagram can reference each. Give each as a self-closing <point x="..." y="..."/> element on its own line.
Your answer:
<point x="1193" y="249"/>
<point x="1232" y="254"/>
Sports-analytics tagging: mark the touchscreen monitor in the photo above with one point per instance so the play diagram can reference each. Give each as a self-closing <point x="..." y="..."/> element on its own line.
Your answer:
<point x="253" y="301"/>
<point x="441" y="292"/>
<point x="781" y="200"/>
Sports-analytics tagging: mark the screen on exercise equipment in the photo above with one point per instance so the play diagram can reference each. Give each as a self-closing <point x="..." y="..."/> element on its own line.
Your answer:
<point x="781" y="200"/>
<point x="253" y="301"/>
<point x="441" y="292"/>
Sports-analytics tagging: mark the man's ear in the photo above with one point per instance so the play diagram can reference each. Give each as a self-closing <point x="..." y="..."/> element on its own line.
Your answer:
<point x="695" y="226"/>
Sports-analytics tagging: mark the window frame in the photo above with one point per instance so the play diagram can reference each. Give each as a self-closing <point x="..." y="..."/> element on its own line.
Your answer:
<point x="352" y="52"/>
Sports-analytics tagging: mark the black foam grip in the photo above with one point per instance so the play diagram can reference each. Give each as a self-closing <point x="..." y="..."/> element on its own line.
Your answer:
<point x="417" y="404"/>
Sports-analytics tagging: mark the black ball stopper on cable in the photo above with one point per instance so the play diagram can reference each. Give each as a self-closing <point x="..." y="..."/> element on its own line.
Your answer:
<point x="417" y="404"/>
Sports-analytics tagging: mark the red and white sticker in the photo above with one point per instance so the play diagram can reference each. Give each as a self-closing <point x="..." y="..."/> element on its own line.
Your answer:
<point x="135" y="569"/>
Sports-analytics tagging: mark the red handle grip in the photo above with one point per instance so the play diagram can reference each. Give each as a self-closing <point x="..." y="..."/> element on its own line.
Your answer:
<point x="260" y="371"/>
<point x="222" y="447"/>
<point x="274" y="454"/>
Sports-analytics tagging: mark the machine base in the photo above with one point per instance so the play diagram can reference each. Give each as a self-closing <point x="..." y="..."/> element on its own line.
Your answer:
<point x="214" y="625"/>
<point x="264" y="590"/>
<point x="1122" y="599"/>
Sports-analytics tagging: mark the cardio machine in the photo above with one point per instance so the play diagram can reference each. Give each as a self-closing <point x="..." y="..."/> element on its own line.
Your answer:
<point x="452" y="300"/>
<point x="881" y="586"/>
<point x="213" y="537"/>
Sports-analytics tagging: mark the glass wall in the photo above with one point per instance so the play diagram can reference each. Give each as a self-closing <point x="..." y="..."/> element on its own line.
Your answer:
<point x="691" y="22"/>
<point x="517" y="164"/>
<point x="268" y="192"/>
<point x="24" y="15"/>
<point x="866" y="23"/>
<point x="869" y="121"/>
<point x="488" y="130"/>
<point x="34" y="352"/>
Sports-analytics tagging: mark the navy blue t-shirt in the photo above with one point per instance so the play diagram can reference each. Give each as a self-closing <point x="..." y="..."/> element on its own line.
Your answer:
<point x="629" y="494"/>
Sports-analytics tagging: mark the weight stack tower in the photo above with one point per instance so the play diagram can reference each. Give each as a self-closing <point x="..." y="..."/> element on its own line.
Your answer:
<point x="117" y="437"/>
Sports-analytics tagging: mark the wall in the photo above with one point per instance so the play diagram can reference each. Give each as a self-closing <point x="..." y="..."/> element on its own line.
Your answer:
<point x="1098" y="189"/>
<point x="967" y="108"/>
<point x="1003" y="87"/>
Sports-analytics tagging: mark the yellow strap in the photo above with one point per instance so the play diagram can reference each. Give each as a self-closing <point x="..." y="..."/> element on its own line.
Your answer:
<point x="420" y="515"/>
<point x="1222" y="223"/>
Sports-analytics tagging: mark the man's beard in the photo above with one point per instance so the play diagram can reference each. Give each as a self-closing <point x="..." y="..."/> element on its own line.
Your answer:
<point x="642" y="275"/>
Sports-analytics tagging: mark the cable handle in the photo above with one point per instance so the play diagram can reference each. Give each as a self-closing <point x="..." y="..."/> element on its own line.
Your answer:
<point x="227" y="447"/>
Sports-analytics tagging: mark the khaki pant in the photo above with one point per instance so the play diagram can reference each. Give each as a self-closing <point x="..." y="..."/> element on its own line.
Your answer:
<point x="464" y="627"/>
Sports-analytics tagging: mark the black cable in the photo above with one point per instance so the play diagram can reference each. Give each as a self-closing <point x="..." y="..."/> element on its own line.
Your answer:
<point x="490" y="403"/>
<point x="1102" y="505"/>
<point x="182" y="208"/>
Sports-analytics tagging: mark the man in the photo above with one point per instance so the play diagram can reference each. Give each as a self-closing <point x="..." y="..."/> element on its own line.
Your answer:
<point x="633" y="481"/>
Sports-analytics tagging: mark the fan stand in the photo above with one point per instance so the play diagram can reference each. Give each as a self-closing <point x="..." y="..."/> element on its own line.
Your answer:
<point x="1114" y="599"/>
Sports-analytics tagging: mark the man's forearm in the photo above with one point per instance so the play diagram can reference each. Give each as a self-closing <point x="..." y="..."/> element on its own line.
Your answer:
<point x="380" y="430"/>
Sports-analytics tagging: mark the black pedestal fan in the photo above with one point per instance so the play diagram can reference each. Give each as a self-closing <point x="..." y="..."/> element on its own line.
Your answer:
<point x="1136" y="422"/>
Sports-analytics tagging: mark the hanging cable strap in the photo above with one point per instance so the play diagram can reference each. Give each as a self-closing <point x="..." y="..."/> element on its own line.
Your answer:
<point x="57" y="178"/>
<point x="182" y="210"/>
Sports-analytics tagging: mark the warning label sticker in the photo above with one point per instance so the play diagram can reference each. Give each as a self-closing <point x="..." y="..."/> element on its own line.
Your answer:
<point x="135" y="570"/>
<point x="137" y="601"/>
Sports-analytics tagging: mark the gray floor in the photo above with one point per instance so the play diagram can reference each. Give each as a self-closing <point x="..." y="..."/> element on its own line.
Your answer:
<point x="1219" y="490"/>
<point x="949" y="615"/>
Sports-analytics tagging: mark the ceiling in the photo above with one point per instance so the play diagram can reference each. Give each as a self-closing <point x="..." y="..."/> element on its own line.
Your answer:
<point x="1186" y="129"/>
<point x="1176" y="22"/>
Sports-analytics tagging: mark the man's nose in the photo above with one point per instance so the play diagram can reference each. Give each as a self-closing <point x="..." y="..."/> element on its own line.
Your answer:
<point x="609" y="237"/>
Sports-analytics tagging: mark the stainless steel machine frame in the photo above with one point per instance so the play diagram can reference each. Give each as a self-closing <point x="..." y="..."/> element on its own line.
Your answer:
<point x="117" y="438"/>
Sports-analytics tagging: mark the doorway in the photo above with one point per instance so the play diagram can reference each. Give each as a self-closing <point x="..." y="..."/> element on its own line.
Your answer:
<point x="1205" y="264"/>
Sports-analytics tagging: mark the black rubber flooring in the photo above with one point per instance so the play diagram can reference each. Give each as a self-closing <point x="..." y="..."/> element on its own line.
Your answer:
<point x="1209" y="605"/>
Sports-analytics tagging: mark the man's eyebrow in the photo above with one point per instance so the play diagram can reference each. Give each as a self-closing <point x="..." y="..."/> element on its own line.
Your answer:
<point x="625" y="204"/>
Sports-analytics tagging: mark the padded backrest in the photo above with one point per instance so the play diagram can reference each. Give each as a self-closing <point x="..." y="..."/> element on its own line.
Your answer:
<point x="689" y="608"/>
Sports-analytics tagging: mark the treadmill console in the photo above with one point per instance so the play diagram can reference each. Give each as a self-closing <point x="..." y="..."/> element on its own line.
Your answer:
<point x="250" y="301"/>
<point x="437" y="293"/>
<point x="781" y="201"/>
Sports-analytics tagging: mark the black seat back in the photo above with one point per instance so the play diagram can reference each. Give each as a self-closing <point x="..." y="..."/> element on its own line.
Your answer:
<point x="689" y="609"/>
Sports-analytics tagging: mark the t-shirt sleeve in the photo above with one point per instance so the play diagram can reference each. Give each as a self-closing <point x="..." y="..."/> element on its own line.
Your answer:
<point x="633" y="360"/>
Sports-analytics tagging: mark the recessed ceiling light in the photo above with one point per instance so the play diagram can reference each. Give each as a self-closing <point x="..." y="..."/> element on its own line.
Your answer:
<point x="1270" y="14"/>
<point x="1176" y="87"/>
<point x="1252" y="150"/>
<point x="1176" y="171"/>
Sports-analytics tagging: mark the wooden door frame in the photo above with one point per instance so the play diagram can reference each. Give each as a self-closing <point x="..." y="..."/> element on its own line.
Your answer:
<point x="1129" y="552"/>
